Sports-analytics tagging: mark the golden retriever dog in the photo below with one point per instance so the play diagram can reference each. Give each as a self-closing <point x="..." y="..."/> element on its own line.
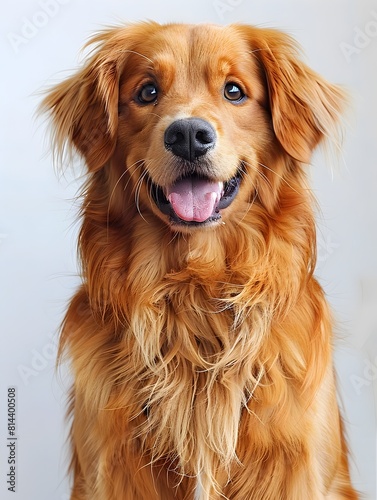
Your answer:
<point x="200" y="341"/>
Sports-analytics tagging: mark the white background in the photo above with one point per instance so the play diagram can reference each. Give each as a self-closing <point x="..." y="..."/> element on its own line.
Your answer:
<point x="40" y="41"/>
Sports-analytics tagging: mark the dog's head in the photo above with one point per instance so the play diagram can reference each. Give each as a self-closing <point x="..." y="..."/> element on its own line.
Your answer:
<point x="198" y="119"/>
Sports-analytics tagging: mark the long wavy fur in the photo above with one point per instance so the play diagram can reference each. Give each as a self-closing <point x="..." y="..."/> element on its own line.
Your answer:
<point x="202" y="358"/>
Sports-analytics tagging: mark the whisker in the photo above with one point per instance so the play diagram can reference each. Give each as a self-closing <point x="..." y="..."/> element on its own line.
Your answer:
<point x="273" y="171"/>
<point x="139" y="164"/>
<point x="262" y="174"/>
<point x="174" y="237"/>
<point x="155" y="114"/>
<point x="250" y="204"/>
<point x="114" y="189"/>
<point x="137" y="193"/>
<point x="111" y="197"/>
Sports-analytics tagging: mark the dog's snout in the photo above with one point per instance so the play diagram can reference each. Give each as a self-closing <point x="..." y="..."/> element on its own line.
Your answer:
<point x="190" y="138"/>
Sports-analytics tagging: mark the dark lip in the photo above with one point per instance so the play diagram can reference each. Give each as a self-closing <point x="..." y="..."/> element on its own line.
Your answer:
<point x="231" y="188"/>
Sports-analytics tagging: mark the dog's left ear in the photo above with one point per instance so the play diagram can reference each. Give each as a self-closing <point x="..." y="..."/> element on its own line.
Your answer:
<point x="305" y="108"/>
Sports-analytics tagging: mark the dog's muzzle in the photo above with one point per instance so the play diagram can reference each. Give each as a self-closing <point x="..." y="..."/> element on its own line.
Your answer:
<point x="194" y="198"/>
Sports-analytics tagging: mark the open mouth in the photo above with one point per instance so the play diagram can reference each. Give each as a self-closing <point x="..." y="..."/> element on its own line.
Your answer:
<point x="194" y="200"/>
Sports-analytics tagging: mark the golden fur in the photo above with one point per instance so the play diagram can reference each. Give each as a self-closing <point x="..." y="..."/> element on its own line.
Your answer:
<point x="201" y="354"/>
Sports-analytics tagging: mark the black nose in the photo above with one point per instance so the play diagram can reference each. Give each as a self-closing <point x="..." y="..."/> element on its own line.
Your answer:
<point x="190" y="138"/>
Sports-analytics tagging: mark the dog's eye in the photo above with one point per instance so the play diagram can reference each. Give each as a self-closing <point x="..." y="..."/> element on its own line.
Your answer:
<point x="148" y="94"/>
<point x="233" y="93"/>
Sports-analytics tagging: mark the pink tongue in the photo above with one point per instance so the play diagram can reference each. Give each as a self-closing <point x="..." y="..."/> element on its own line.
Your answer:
<point x="195" y="199"/>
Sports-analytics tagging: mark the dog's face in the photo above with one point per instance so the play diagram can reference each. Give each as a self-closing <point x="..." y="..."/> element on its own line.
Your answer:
<point x="198" y="120"/>
<point x="194" y="107"/>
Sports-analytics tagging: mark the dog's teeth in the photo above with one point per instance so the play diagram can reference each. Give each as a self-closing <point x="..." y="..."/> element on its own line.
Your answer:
<point x="213" y="197"/>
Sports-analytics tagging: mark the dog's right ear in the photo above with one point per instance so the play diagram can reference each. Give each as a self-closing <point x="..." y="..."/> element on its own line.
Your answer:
<point x="305" y="108"/>
<point x="84" y="108"/>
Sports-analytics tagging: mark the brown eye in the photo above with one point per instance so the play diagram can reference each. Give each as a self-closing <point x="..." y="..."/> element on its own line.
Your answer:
<point x="233" y="92"/>
<point x="148" y="94"/>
